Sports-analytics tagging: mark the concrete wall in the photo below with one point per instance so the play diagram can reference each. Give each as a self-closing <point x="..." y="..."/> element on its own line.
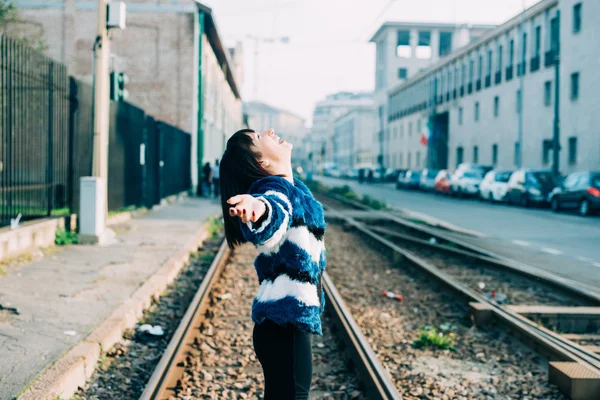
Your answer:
<point x="156" y="51"/>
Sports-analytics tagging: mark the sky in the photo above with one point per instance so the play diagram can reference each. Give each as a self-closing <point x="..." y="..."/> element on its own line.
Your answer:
<point x="328" y="49"/>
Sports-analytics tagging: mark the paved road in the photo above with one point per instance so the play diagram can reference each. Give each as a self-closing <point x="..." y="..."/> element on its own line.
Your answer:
<point x="564" y="243"/>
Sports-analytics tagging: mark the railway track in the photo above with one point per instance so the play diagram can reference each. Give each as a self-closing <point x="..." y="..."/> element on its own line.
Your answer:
<point x="556" y="315"/>
<point x="211" y="356"/>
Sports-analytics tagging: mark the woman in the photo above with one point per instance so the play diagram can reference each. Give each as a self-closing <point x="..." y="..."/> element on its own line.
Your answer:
<point x="263" y="204"/>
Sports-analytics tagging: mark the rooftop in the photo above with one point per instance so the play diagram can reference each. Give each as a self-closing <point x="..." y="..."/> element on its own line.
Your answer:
<point x="428" y="25"/>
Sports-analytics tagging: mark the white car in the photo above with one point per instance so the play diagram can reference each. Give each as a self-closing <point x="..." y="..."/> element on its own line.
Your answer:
<point x="466" y="183"/>
<point x="494" y="186"/>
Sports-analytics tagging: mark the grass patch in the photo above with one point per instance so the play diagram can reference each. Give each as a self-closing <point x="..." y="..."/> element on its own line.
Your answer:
<point x="215" y="227"/>
<point x="65" y="238"/>
<point x="430" y="337"/>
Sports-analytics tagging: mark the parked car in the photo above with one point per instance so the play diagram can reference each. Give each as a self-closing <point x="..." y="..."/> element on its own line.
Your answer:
<point x="494" y="185"/>
<point x="579" y="191"/>
<point x="465" y="166"/>
<point x="400" y="179"/>
<point x="392" y="174"/>
<point x="458" y="174"/>
<point x="442" y="182"/>
<point x="350" y="174"/>
<point x="529" y="186"/>
<point x="466" y="182"/>
<point x="411" y="180"/>
<point x="428" y="179"/>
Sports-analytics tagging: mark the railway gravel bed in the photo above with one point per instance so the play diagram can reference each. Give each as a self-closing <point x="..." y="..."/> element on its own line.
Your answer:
<point x="222" y="364"/>
<point x="123" y="371"/>
<point x="486" y="363"/>
<point x="519" y="289"/>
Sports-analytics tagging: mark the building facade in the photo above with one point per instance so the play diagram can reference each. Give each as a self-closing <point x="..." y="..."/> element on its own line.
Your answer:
<point x="352" y="139"/>
<point x="403" y="49"/>
<point x="286" y="124"/>
<point x="319" y="143"/>
<point x="495" y="102"/>
<point x="179" y="70"/>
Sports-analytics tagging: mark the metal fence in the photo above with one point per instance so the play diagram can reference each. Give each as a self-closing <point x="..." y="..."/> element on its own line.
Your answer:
<point x="46" y="142"/>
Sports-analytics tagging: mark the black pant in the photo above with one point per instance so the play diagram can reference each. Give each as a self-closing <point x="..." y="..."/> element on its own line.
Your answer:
<point x="286" y="358"/>
<point x="216" y="182"/>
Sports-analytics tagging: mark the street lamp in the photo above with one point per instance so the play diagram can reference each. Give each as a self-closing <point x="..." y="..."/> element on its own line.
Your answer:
<point x="257" y="40"/>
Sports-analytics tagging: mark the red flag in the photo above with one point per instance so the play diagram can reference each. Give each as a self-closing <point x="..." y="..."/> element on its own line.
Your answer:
<point x="424" y="139"/>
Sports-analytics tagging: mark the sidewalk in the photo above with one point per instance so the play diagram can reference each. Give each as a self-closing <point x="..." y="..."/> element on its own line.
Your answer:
<point x="64" y="297"/>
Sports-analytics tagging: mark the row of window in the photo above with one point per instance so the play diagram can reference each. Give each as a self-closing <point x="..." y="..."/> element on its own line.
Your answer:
<point x="452" y="83"/>
<point x="574" y="95"/>
<point x="547" y="147"/>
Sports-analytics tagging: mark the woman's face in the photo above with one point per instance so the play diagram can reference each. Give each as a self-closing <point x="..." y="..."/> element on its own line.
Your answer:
<point x="276" y="154"/>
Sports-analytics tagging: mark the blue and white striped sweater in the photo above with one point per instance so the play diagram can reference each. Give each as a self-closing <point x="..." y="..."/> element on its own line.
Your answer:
<point x="291" y="255"/>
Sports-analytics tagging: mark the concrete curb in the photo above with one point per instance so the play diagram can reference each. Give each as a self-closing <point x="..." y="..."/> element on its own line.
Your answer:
<point x="74" y="367"/>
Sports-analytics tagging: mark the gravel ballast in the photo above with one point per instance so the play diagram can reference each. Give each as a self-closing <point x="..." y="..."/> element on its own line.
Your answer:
<point x="487" y="363"/>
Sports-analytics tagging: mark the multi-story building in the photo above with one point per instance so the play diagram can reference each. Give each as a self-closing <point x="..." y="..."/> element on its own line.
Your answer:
<point x="403" y="49"/>
<point x="352" y="138"/>
<point x="286" y="124"/>
<point x="160" y="51"/>
<point x="319" y="143"/>
<point x="496" y="102"/>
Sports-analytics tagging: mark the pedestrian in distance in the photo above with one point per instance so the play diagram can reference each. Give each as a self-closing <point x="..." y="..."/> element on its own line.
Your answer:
<point x="361" y="175"/>
<point x="370" y="178"/>
<point x="207" y="178"/>
<point x="263" y="204"/>
<point x="216" y="174"/>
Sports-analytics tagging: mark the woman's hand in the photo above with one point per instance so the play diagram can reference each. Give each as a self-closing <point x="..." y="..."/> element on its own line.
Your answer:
<point x="247" y="207"/>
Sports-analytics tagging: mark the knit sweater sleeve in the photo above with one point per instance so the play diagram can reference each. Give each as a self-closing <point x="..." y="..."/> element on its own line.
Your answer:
<point x="271" y="230"/>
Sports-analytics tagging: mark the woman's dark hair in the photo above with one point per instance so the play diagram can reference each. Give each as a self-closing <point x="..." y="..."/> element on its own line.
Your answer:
<point x="239" y="170"/>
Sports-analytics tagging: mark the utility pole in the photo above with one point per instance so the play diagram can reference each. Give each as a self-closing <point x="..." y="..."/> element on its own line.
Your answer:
<point x="101" y="97"/>
<point x="556" y="133"/>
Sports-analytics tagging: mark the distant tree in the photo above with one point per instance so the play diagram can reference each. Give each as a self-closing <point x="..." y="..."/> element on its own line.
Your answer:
<point x="9" y="26"/>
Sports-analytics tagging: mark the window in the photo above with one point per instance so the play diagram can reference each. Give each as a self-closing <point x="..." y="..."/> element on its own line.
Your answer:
<point x="424" y="45"/>
<point x="402" y="73"/>
<point x="511" y="52"/>
<point x="480" y="67"/>
<point x="395" y="133"/>
<point x="572" y="150"/>
<point x="494" y="154"/>
<point x="418" y="126"/>
<point x="500" y="58"/>
<point x="403" y="49"/>
<point x="471" y="71"/>
<point x="576" y="17"/>
<point x="418" y="159"/>
<point x="518" y="101"/>
<point x="460" y="115"/>
<point x="445" y="43"/>
<point x="400" y="160"/>
<point x="554" y="34"/>
<point x="401" y="128"/>
<point x="409" y="160"/>
<point x="524" y="48"/>
<point x="575" y="86"/>
<point x="489" y="63"/>
<point x="538" y="41"/>
<point x="546" y="148"/>
<point x="496" y="106"/>
<point x="547" y="93"/>
<point x="459" y="155"/>
<point x="477" y="111"/>
<point x="475" y="154"/>
<point x="410" y="129"/>
<point x="517" y="154"/>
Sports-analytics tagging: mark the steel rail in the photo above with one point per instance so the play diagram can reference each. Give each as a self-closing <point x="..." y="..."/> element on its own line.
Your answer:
<point x="552" y="344"/>
<point x="163" y="382"/>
